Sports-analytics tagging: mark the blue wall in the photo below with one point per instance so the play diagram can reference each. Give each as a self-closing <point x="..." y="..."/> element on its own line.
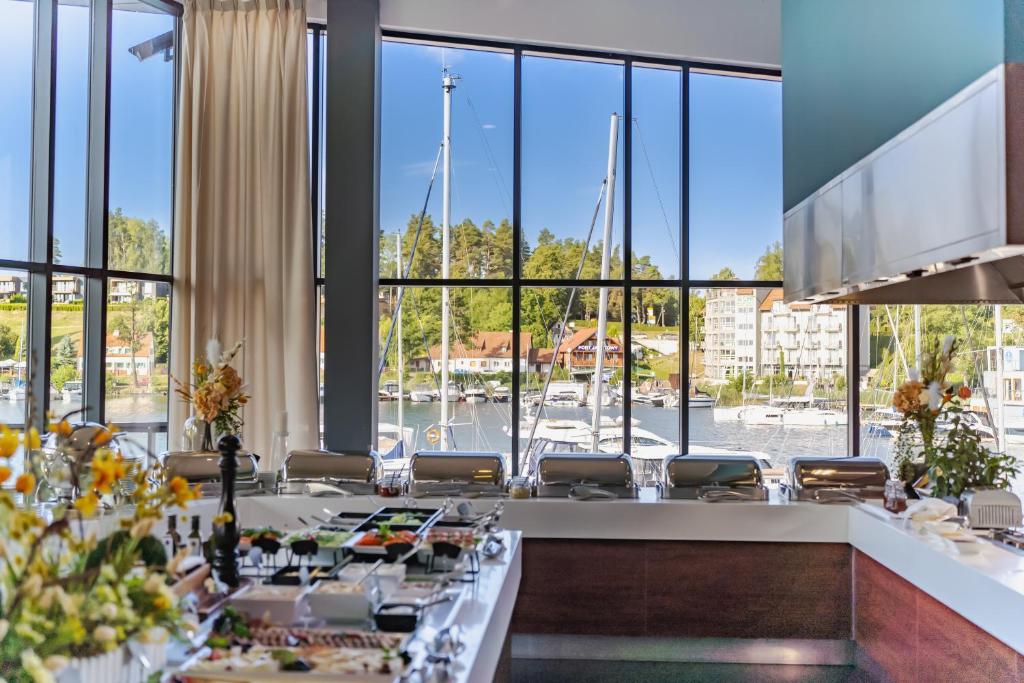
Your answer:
<point x="857" y="72"/>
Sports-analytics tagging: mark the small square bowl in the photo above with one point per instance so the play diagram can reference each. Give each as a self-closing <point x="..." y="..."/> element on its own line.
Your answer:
<point x="340" y="601"/>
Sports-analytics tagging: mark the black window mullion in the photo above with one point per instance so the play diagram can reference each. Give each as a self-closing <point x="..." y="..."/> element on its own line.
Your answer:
<point x="517" y="243"/>
<point x="684" y="265"/>
<point x="627" y="257"/>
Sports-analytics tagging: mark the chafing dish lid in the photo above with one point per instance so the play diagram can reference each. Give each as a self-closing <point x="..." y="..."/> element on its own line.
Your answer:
<point x="809" y="472"/>
<point x="603" y="469"/>
<point x="471" y="466"/>
<point x="198" y="466"/>
<point x="713" y="470"/>
<point x="328" y="465"/>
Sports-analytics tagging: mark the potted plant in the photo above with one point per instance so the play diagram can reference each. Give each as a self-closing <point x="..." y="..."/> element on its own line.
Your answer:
<point x="955" y="460"/>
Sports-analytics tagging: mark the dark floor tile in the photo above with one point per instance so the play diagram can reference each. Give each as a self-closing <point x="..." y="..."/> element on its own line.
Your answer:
<point x="558" y="671"/>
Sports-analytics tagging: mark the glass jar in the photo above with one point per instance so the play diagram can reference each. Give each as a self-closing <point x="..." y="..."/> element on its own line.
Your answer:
<point x="519" y="488"/>
<point x="895" y="496"/>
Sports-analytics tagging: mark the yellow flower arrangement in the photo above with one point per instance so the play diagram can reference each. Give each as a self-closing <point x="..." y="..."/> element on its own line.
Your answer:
<point x="63" y="592"/>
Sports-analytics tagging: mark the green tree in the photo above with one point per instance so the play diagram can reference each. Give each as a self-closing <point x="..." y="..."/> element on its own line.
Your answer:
<point x="137" y="245"/>
<point x="769" y="265"/>
<point x="8" y="342"/>
<point x="725" y="273"/>
<point x="64" y="353"/>
<point x="131" y="329"/>
<point x="62" y="375"/>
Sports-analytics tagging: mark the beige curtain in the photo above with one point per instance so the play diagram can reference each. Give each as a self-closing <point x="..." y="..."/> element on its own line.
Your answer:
<point x="243" y="245"/>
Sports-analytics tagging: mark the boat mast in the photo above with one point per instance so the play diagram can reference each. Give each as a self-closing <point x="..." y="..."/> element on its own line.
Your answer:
<point x="1000" y="390"/>
<point x="398" y="329"/>
<point x="917" y="335"/>
<point x="447" y="85"/>
<point x="606" y="258"/>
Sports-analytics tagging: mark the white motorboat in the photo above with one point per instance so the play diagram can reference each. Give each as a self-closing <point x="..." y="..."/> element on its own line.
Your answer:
<point x="731" y="414"/>
<point x="476" y="394"/>
<point x="422" y="394"/>
<point x="813" y="417"/>
<point x="16" y="394"/>
<point x="395" y="445"/>
<point x="700" y="400"/>
<point x="501" y="395"/>
<point x="652" y="399"/>
<point x="761" y="415"/>
<point x="454" y="393"/>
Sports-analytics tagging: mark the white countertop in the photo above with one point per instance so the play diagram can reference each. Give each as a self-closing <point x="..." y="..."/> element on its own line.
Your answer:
<point x="986" y="588"/>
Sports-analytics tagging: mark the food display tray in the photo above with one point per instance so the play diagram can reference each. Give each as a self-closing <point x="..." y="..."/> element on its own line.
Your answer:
<point x="427" y="519"/>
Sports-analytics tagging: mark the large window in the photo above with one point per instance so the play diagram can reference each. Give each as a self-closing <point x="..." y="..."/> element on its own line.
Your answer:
<point x="86" y="198"/>
<point x="596" y="209"/>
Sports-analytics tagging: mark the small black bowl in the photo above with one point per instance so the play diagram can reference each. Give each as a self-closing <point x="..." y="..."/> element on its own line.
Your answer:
<point x="397" y="618"/>
<point x="445" y="549"/>
<point x="305" y="546"/>
<point x="393" y="551"/>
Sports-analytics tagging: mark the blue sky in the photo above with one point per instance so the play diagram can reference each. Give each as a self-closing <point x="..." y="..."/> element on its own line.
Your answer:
<point x="141" y="125"/>
<point x="736" y="151"/>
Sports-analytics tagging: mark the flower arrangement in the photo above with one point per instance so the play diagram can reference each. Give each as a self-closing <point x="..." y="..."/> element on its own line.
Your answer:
<point x="958" y="460"/>
<point x="65" y="594"/>
<point x="216" y="391"/>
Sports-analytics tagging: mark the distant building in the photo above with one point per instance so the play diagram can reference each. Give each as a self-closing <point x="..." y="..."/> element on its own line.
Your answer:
<point x="803" y="341"/>
<point x="120" y="291"/>
<point x="578" y="353"/>
<point x="67" y="289"/>
<point x="11" y="285"/>
<point x="120" y="356"/>
<point x="730" y="332"/>
<point x="483" y="352"/>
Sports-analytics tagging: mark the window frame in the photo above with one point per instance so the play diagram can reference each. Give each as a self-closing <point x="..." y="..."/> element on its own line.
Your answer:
<point x="96" y="272"/>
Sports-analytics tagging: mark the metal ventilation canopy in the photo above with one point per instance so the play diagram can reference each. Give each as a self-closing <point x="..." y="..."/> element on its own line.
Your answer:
<point x="935" y="215"/>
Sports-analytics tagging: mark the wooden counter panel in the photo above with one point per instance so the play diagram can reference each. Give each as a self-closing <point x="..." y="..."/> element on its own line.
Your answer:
<point x="903" y="634"/>
<point x="685" y="589"/>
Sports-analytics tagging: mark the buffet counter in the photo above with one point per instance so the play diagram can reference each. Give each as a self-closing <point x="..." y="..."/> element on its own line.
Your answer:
<point x="660" y="569"/>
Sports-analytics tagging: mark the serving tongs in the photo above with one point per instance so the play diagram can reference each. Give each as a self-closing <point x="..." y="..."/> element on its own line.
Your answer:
<point x="585" y="490"/>
<point x="837" y="495"/>
<point x="459" y="489"/>
<point x="723" y="494"/>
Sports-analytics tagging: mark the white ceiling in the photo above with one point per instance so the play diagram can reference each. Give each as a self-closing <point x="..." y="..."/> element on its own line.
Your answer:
<point x="742" y="32"/>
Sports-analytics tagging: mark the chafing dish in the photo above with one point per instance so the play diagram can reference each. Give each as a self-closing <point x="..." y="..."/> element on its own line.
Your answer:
<point x="201" y="467"/>
<point x="713" y="478"/>
<point x="835" y="480"/>
<point x="991" y="508"/>
<point x="583" y="476"/>
<point x="343" y="473"/>
<point x="456" y="473"/>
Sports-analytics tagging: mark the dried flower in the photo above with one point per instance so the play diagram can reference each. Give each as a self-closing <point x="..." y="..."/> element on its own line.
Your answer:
<point x="964" y="392"/>
<point x="8" y="442"/>
<point x="223" y="518"/>
<point x="5" y="473"/>
<point x="25" y="483"/>
<point x="87" y="504"/>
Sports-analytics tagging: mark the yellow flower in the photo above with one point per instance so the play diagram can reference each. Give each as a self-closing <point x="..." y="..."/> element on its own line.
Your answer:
<point x="62" y="428"/>
<point x="223" y="518"/>
<point x="8" y="442"/>
<point x="25" y="483"/>
<point x="5" y="473"/>
<point x="32" y="440"/>
<point x="162" y="602"/>
<point x="181" y="492"/>
<point x="87" y="504"/>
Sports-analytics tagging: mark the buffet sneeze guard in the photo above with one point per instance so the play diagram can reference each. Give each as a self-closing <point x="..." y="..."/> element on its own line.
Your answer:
<point x="345" y="473"/>
<point x="713" y="478"/>
<point x="456" y="473"/>
<point x="201" y="467"/>
<point x="584" y="476"/>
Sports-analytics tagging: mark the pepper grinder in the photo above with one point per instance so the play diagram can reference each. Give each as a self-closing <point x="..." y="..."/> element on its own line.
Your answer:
<point x="226" y="536"/>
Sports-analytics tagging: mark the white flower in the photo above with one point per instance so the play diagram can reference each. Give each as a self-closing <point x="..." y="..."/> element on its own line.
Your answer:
<point x="213" y="351"/>
<point x="55" y="662"/>
<point x="934" y="396"/>
<point x="34" y="667"/>
<point x="4" y="625"/>
<point x="154" y="583"/>
<point x="108" y="610"/>
<point x="32" y="585"/>
<point x="947" y="344"/>
<point x="915" y="374"/>
<point x="179" y="557"/>
<point x="104" y="634"/>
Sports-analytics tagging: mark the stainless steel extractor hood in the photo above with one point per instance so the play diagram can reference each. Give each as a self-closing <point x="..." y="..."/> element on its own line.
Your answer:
<point x="934" y="215"/>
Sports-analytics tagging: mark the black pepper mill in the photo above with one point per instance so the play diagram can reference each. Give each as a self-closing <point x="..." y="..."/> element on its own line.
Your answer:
<point x="225" y="545"/>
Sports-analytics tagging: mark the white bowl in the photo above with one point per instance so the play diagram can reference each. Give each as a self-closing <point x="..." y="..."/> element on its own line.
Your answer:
<point x="276" y="604"/>
<point x="389" y="576"/>
<point x="339" y="601"/>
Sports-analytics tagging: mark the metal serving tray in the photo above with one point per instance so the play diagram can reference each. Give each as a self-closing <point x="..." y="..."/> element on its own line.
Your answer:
<point x="584" y="476"/>
<point x="713" y="478"/>
<point x="835" y="480"/>
<point x="347" y="473"/>
<point x="456" y="473"/>
<point x="202" y="467"/>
